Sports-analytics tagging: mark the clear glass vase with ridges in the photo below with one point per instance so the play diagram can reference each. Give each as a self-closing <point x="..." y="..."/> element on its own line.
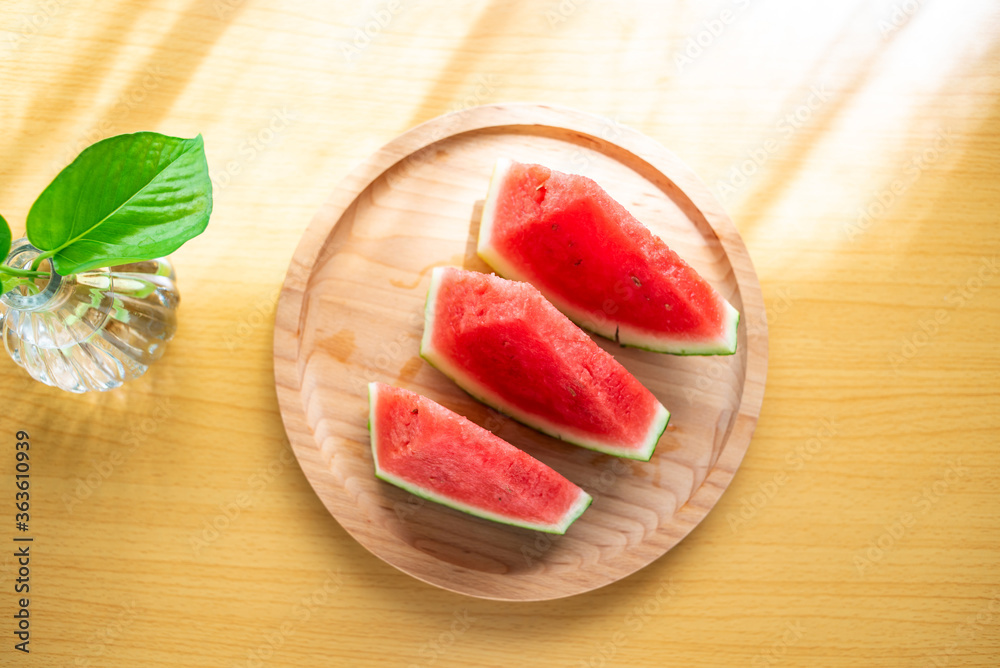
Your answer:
<point x="90" y="331"/>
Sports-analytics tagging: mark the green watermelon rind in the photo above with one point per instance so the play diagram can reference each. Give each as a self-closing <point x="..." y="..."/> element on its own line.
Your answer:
<point x="718" y="347"/>
<point x="571" y="515"/>
<point x="427" y="351"/>
<point x="625" y="336"/>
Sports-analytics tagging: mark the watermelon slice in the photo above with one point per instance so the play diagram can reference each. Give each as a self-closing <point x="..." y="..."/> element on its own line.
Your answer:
<point x="599" y="265"/>
<point x="504" y="344"/>
<point x="439" y="455"/>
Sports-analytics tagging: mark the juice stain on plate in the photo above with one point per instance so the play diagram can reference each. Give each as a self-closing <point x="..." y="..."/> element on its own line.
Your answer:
<point x="410" y="369"/>
<point x="457" y="260"/>
<point x="340" y="346"/>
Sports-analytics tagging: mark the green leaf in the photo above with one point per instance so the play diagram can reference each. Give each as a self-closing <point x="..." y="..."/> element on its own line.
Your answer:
<point x="4" y="239"/>
<point x="6" y="281"/>
<point x="124" y="199"/>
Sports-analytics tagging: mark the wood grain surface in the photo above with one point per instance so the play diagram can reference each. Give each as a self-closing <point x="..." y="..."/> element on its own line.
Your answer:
<point x="351" y="312"/>
<point x="855" y="147"/>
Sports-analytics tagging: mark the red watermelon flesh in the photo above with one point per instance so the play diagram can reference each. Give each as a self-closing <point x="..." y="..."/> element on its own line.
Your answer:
<point x="599" y="265"/>
<point x="430" y="451"/>
<point x="505" y="344"/>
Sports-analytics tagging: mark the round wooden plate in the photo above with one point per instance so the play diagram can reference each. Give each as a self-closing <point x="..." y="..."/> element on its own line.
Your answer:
<point x="351" y="311"/>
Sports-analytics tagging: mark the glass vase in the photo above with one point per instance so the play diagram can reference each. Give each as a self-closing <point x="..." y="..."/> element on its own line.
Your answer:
<point x="90" y="331"/>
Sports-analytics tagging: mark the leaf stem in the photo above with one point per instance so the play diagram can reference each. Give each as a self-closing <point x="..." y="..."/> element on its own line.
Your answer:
<point x="41" y="258"/>
<point x="27" y="273"/>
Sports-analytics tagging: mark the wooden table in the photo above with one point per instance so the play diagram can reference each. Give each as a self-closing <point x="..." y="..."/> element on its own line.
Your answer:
<point x="854" y="144"/>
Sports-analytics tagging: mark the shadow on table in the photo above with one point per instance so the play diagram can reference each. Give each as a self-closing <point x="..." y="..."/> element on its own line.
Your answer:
<point x="158" y="77"/>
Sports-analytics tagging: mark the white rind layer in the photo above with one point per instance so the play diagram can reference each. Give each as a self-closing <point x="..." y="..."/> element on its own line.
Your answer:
<point x="642" y="451"/>
<point x="599" y="322"/>
<point x="500" y="170"/>
<point x="724" y="344"/>
<point x="582" y="502"/>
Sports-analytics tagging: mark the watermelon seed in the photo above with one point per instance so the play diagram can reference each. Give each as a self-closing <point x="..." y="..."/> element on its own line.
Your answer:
<point x="577" y="263"/>
<point x="669" y="307"/>
<point x="636" y="281"/>
<point x="555" y="228"/>
<point x="415" y="411"/>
